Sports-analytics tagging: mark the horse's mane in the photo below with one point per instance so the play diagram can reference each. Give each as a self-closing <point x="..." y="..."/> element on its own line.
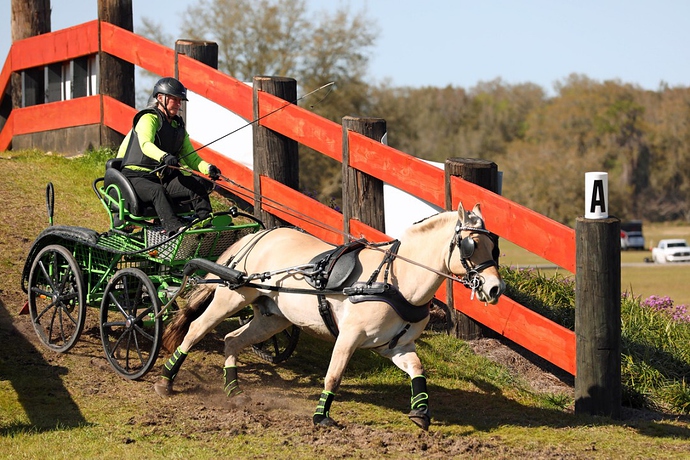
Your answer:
<point x="427" y="224"/>
<point x="441" y="219"/>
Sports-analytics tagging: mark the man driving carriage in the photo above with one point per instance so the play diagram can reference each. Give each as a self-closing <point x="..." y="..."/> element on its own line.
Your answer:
<point x="154" y="149"/>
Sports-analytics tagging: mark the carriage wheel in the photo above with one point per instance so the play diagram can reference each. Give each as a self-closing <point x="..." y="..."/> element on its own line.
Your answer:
<point x="130" y="327"/>
<point x="56" y="298"/>
<point x="279" y="347"/>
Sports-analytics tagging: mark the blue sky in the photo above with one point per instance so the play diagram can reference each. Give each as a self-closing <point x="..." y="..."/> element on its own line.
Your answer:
<point x="461" y="43"/>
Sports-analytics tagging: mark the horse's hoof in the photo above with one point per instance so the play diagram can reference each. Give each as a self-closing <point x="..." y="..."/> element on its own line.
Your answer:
<point x="421" y="418"/>
<point x="239" y="399"/>
<point x="163" y="387"/>
<point x="323" y="420"/>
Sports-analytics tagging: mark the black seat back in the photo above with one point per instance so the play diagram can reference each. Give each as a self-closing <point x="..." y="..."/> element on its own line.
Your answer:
<point x="115" y="177"/>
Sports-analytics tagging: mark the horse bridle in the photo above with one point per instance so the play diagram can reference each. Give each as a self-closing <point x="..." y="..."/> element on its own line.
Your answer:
<point x="466" y="246"/>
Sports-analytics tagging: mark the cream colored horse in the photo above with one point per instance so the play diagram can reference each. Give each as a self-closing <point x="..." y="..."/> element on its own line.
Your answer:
<point x="449" y="243"/>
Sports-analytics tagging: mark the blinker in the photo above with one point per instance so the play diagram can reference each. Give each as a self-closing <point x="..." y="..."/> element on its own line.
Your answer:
<point x="467" y="246"/>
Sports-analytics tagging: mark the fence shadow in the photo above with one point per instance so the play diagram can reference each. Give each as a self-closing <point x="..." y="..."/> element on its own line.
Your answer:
<point x="37" y="385"/>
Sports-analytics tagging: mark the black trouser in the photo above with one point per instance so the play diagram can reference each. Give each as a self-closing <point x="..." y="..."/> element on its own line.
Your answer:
<point x="173" y="187"/>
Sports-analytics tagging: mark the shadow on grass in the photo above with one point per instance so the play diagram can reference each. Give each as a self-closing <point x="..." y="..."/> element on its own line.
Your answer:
<point x="37" y="384"/>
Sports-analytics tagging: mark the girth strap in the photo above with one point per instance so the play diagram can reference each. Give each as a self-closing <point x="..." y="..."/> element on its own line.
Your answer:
<point x="327" y="315"/>
<point x="384" y="292"/>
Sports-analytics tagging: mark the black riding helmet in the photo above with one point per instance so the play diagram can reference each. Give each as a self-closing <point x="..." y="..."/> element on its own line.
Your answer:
<point x="170" y="86"/>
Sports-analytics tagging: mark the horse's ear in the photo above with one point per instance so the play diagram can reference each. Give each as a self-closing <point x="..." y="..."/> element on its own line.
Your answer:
<point x="477" y="211"/>
<point x="462" y="215"/>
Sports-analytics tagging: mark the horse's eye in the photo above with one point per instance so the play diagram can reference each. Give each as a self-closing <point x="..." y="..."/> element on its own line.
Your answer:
<point x="467" y="246"/>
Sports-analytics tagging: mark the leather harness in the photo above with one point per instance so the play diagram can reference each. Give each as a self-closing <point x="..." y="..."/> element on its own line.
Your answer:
<point x="334" y="269"/>
<point x="332" y="273"/>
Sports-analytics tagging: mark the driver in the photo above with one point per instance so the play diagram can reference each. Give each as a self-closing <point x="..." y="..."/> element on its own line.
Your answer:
<point x="153" y="149"/>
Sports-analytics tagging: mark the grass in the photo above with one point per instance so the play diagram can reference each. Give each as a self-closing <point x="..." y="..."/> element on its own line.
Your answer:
<point x="655" y="337"/>
<point x="480" y="408"/>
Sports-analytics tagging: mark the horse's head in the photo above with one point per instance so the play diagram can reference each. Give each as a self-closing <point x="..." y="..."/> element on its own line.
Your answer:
<point x="476" y="262"/>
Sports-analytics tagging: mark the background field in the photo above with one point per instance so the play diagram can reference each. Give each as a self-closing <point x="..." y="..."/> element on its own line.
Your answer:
<point x="637" y="276"/>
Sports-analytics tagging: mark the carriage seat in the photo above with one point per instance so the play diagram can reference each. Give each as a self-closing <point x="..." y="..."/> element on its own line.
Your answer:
<point x="134" y="206"/>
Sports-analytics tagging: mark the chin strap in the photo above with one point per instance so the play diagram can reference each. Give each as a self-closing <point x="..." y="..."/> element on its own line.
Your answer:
<point x="165" y="106"/>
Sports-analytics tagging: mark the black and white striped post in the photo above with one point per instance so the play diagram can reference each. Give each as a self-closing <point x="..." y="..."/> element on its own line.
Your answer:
<point x="598" y="304"/>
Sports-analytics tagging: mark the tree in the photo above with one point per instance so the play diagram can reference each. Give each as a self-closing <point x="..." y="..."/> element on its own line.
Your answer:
<point x="281" y="38"/>
<point x="439" y="123"/>
<point x="638" y="136"/>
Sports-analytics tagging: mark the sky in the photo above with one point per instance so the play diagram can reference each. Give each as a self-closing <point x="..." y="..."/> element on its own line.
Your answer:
<point x="465" y="42"/>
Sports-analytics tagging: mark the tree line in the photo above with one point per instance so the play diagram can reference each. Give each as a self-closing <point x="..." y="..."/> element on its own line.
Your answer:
<point x="543" y="144"/>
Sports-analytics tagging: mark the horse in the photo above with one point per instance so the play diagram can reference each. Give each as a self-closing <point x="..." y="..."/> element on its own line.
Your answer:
<point x="370" y="312"/>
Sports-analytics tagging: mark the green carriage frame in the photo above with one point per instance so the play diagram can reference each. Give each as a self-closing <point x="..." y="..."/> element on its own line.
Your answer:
<point x="130" y="272"/>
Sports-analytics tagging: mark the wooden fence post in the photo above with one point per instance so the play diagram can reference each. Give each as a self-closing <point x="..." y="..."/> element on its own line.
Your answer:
<point x="206" y="52"/>
<point x="116" y="76"/>
<point x="362" y="193"/>
<point x="485" y="174"/>
<point x="598" y="317"/>
<point x="200" y="50"/>
<point x="275" y="155"/>
<point x="28" y="19"/>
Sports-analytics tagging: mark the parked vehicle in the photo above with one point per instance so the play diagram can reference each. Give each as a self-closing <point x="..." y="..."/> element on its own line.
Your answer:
<point x="631" y="235"/>
<point x="673" y="250"/>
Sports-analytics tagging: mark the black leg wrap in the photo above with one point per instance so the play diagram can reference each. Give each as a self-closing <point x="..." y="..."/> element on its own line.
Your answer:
<point x="419" y="403"/>
<point x="232" y="386"/>
<point x="172" y="366"/>
<point x="322" y="415"/>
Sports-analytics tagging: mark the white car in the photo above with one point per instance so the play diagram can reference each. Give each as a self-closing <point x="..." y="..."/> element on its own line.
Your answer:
<point x="675" y="250"/>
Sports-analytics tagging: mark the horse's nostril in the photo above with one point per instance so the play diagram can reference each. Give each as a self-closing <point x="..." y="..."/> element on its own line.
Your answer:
<point x="494" y="292"/>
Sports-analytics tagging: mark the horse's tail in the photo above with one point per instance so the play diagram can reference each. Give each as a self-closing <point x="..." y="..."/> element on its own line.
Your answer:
<point x="198" y="302"/>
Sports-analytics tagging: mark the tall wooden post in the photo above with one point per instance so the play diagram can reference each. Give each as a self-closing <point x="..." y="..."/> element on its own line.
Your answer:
<point x="362" y="193"/>
<point x="29" y="18"/>
<point x="206" y="52"/>
<point x="275" y="155"/>
<point x="485" y="174"/>
<point x="598" y="317"/>
<point x="200" y="50"/>
<point x="116" y="76"/>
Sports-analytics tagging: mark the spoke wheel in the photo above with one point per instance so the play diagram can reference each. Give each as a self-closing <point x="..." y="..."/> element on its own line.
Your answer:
<point x="130" y="327"/>
<point x="56" y="298"/>
<point x="279" y="347"/>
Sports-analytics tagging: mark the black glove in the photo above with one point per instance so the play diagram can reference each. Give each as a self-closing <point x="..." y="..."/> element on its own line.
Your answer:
<point x="213" y="172"/>
<point x="170" y="160"/>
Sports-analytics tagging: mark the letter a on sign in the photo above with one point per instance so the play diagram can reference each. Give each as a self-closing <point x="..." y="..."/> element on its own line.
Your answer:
<point x="598" y="197"/>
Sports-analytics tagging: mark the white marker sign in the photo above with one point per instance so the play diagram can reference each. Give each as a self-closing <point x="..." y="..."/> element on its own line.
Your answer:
<point x="596" y="195"/>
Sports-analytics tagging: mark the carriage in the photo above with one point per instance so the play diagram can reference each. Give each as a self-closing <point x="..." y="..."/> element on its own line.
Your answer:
<point x="133" y="273"/>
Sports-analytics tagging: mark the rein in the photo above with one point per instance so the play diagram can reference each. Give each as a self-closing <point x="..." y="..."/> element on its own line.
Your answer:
<point x="470" y="279"/>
